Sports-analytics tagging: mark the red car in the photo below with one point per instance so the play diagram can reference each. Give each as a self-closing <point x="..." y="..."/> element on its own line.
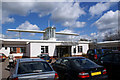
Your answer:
<point x="2" y="57"/>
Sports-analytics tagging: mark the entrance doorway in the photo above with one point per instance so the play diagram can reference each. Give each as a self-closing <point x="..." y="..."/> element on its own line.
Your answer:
<point x="63" y="51"/>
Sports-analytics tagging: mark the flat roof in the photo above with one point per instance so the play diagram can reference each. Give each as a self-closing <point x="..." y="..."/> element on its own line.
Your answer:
<point x="30" y="31"/>
<point x="37" y="31"/>
<point x="27" y="40"/>
<point x="117" y="41"/>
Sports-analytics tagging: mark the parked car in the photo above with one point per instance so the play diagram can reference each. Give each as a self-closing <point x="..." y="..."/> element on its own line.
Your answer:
<point x="45" y="57"/>
<point x="94" y="54"/>
<point x="112" y="64"/>
<point x="79" y="68"/>
<point x="33" y="69"/>
<point x="2" y="57"/>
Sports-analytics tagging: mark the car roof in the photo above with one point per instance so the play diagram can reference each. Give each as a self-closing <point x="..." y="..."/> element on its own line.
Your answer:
<point x="74" y="57"/>
<point x="30" y="59"/>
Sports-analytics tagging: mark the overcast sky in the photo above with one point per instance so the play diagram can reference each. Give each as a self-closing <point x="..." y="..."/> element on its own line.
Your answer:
<point x="88" y="19"/>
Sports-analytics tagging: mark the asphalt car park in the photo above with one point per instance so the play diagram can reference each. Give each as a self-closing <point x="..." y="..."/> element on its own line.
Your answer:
<point x="4" y="73"/>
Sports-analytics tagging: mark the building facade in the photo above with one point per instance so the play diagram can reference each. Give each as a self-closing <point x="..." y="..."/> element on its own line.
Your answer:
<point x="33" y="48"/>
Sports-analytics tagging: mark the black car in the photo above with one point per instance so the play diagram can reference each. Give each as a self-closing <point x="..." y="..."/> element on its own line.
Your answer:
<point x="112" y="64"/>
<point x="75" y="68"/>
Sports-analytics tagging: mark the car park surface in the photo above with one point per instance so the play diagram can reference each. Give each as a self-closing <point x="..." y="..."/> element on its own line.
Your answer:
<point x="112" y="64"/>
<point x="75" y="68"/>
<point x="33" y="69"/>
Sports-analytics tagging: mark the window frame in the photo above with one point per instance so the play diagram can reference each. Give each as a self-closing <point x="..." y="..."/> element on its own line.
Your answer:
<point x="44" y="49"/>
<point x="80" y="49"/>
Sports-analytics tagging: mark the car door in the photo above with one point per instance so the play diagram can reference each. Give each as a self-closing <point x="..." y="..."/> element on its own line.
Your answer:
<point x="56" y="65"/>
<point x="65" y="69"/>
<point x="64" y="65"/>
<point x="116" y="65"/>
<point x="106" y="61"/>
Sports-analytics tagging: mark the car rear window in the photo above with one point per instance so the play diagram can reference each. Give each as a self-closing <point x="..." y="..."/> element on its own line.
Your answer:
<point x="33" y="67"/>
<point x="84" y="63"/>
<point x="99" y="51"/>
<point x="107" y="51"/>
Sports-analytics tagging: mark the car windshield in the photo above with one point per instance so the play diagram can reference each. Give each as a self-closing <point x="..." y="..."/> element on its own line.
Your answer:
<point x="33" y="67"/>
<point x="84" y="63"/>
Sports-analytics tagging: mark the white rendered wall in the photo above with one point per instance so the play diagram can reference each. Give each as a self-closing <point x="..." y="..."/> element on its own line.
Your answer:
<point x="35" y="49"/>
<point x="5" y="51"/>
<point x="85" y="47"/>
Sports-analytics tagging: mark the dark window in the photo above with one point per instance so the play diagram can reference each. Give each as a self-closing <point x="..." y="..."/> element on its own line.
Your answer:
<point x="99" y="51"/>
<point x="107" y="58"/>
<point x="84" y="63"/>
<point x="5" y="48"/>
<point x="79" y="48"/>
<point x="117" y="58"/>
<point x="74" y="50"/>
<point x="30" y="67"/>
<point x="22" y="49"/>
<point x="91" y="52"/>
<point x="58" y="61"/>
<point x="13" y="49"/>
<point x="65" y="62"/>
<point x="107" y="51"/>
<point x="44" y="49"/>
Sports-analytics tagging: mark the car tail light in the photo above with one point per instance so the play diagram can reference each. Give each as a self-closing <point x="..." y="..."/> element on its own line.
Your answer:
<point x="95" y="56"/>
<point x="83" y="75"/>
<point x="15" y="78"/>
<point x="56" y="77"/>
<point x="104" y="71"/>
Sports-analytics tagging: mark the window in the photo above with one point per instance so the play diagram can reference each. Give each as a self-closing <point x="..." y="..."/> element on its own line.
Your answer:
<point x="58" y="61"/>
<point x="79" y="48"/>
<point x="107" y="58"/>
<point x="74" y="49"/>
<point x="117" y="58"/>
<point x="99" y="51"/>
<point x="65" y="62"/>
<point x="13" y="49"/>
<point x="30" y="67"/>
<point x="84" y="63"/>
<point x="22" y="49"/>
<point x="91" y="52"/>
<point x="5" y="48"/>
<point x="44" y="49"/>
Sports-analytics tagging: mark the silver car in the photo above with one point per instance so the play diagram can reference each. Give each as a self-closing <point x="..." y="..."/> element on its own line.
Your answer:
<point x="33" y="69"/>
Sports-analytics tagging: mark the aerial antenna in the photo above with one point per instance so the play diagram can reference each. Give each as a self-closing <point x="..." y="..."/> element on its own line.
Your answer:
<point x="48" y="23"/>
